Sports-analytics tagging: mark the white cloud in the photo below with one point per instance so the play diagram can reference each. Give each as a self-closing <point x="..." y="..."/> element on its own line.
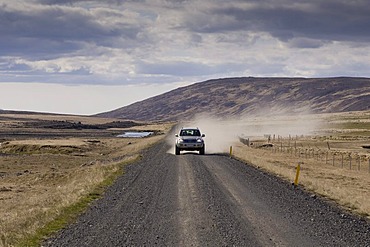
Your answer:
<point x="130" y="42"/>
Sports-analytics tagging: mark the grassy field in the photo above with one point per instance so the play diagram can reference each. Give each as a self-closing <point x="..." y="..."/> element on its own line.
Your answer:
<point x="53" y="166"/>
<point x="47" y="179"/>
<point x="333" y="160"/>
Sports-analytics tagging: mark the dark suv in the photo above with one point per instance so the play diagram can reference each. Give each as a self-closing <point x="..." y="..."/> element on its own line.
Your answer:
<point x="190" y="139"/>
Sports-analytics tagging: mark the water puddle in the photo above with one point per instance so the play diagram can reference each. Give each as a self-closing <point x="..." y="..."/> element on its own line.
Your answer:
<point x="135" y="134"/>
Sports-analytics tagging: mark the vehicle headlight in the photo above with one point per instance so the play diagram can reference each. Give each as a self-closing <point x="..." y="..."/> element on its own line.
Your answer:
<point x="199" y="140"/>
<point x="180" y="140"/>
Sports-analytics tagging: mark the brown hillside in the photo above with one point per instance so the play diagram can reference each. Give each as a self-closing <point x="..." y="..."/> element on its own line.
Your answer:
<point x="236" y="97"/>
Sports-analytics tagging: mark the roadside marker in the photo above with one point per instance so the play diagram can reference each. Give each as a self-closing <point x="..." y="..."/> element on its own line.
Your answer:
<point x="297" y="175"/>
<point x="231" y="151"/>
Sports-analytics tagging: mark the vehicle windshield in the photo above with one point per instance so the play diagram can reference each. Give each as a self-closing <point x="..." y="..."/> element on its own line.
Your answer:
<point x="190" y="132"/>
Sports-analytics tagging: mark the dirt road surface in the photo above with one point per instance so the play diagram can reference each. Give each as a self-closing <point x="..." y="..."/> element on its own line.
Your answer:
<point x="209" y="200"/>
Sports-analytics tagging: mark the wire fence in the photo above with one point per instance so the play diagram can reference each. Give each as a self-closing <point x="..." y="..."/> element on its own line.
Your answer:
<point x="327" y="155"/>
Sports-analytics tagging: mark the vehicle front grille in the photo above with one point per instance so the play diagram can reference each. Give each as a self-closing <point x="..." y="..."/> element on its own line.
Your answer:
<point x="190" y="140"/>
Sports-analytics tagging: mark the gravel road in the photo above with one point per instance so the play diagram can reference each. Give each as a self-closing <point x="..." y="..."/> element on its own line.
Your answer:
<point x="210" y="200"/>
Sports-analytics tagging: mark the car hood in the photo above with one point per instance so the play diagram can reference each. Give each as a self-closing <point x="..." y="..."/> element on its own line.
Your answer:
<point x="190" y="137"/>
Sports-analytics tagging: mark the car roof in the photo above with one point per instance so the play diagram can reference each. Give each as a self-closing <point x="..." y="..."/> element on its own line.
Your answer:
<point x="190" y="128"/>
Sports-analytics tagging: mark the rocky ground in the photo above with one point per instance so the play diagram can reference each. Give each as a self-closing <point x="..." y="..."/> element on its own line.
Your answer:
<point x="210" y="200"/>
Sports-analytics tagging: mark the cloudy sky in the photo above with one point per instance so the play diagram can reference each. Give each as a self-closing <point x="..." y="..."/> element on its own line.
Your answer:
<point x="85" y="57"/>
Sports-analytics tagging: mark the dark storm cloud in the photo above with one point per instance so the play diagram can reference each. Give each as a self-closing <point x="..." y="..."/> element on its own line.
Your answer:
<point x="33" y="47"/>
<point x="306" y="43"/>
<point x="70" y="2"/>
<point x="108" y="41"/>
<point x="51" y="23"/>
<point x="327" y="20"/>
<point x="55" y="31"/>
<point x="60" y="2"/>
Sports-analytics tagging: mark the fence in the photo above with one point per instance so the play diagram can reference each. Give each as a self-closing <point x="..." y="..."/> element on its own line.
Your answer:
<point x="328" y="156"/>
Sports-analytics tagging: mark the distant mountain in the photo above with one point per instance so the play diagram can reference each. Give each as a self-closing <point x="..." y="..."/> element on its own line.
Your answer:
<point x="237" y="97"/>
<point x="28" y="112"/>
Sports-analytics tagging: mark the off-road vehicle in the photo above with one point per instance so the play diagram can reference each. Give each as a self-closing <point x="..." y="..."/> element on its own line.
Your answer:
<point x="190" y="139"/>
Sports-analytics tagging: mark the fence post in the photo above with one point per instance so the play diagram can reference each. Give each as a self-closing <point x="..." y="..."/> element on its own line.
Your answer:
<point x="359" y="163"/>
<point x="326" y="159"/>
<point x="350" y="161"/>
<point x="333" y="159"/>
<point x="342" y="160"/>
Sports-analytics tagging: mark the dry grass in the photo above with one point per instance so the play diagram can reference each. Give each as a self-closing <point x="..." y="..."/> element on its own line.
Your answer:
<point x="82" y="119"/>
<point x="39" y="178"/>
<point x="348" y="188"/>
<point x="346" y="185"/>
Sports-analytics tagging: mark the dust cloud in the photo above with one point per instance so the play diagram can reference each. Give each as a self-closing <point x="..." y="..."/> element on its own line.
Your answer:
<point x="222" y="133"/>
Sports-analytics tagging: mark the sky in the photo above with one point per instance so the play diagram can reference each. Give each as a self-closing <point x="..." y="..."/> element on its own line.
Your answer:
<point x="86" y="57"/>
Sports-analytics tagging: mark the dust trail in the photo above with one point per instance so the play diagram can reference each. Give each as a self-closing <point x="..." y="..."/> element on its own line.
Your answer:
<point x="222" y="133"/>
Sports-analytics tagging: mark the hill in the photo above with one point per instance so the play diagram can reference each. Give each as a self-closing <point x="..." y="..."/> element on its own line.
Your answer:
<point x="237" y="97"/>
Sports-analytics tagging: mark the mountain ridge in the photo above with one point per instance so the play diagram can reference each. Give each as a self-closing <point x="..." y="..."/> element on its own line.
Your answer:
<point x="240" y="96"/>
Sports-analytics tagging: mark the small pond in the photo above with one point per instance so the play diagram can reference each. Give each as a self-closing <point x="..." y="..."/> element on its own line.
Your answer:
<point x="133" y="134"/>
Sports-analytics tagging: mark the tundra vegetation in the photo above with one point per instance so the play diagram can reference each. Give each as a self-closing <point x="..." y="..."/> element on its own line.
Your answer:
<point x="334" y="157"/>
<point x="53" y="166"/>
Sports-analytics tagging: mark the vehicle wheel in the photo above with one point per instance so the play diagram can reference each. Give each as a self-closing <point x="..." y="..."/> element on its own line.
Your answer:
<point x="177" y="151"/>
<point x="202" y="151"/>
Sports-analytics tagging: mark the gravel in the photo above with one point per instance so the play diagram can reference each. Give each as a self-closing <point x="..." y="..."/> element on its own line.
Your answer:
<point x="209" y="200"/>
